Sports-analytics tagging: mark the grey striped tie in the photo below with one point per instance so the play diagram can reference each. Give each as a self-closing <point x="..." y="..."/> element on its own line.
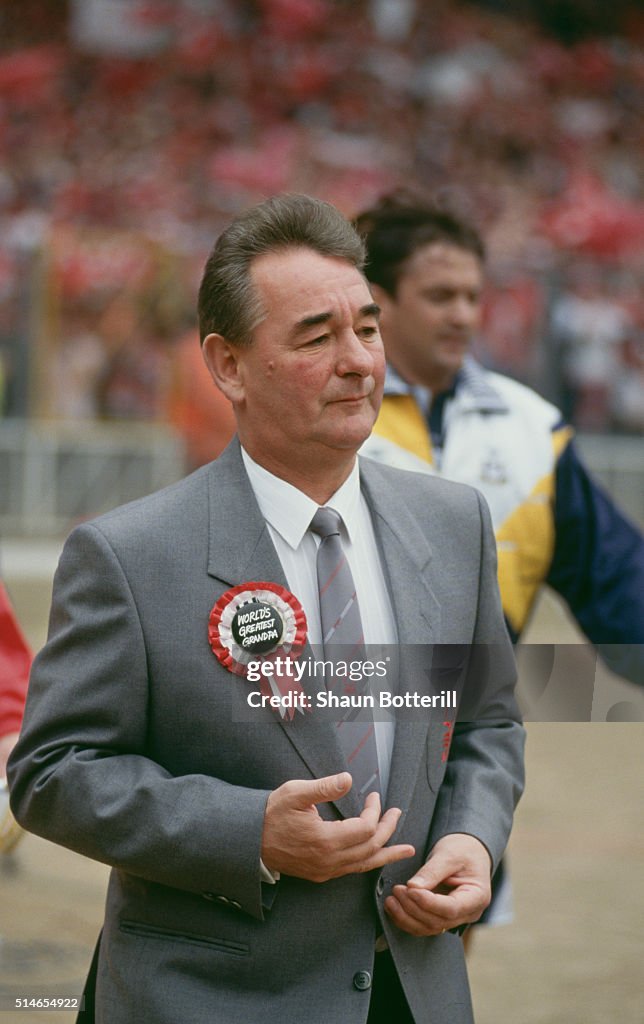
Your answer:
<point x="343" y="640"/>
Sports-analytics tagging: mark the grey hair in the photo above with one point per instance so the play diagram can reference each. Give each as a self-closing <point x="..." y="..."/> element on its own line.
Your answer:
<point x="228" y="304"/>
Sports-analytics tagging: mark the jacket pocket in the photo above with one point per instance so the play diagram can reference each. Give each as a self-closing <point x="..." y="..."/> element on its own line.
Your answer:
<point x="148" y="931"/>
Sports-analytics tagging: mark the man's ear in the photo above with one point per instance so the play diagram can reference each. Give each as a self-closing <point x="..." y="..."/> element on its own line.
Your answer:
<point x="222" y="360"/>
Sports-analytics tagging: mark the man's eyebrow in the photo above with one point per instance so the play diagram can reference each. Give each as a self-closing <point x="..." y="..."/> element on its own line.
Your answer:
<point x="371" y="309"/>
<point x="311" y="321"/>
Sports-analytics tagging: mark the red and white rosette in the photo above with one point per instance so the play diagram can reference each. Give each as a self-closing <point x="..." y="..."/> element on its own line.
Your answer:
<point x="259" y="621"/>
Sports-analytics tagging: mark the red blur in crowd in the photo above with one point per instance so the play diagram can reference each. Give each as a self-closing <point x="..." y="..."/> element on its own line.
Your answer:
<point x="15" y="662"/>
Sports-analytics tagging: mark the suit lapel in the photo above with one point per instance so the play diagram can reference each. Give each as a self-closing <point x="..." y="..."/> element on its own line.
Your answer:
<point x="240" y="550"/>
<point x="407" y="557"/>
<point x="407" y="560"/>
<point x="239" y="544"/>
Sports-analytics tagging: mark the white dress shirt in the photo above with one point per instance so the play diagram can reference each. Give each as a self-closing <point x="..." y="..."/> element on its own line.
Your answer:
<point x="288" y="513"/>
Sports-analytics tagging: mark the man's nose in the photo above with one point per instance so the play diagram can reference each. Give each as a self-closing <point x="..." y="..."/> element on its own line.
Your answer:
<point x="354" y="356"/>
<point x="463" y="311"/>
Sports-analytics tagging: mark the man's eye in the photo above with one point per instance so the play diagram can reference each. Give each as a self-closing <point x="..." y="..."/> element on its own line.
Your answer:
<point x="368" y="331"/>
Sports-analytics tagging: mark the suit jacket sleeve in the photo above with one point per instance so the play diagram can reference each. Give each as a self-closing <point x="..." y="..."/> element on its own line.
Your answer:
<point x="83" y="774"/>
<point x="484" y="774"/>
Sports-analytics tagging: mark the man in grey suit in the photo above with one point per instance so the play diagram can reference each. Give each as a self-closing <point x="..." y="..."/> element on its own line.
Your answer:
<point x="255" y="878"/>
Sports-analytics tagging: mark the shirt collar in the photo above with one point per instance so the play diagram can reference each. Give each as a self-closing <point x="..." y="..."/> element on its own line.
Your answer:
<point x="474" y="382"/>
<point x="471" y="383"/>
<point x="397" y="385"/>
<point x="289" y="511"/>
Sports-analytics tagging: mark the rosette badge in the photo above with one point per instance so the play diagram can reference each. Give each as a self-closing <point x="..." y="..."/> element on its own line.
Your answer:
<point x="257" y="627"/>
<point x="259" y="621"/>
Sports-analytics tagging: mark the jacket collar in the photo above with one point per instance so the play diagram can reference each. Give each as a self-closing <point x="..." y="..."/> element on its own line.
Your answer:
<point x="472" y="388"/>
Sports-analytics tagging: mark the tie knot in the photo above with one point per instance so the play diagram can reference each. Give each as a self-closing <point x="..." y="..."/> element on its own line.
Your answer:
<point x="326" y="523"/>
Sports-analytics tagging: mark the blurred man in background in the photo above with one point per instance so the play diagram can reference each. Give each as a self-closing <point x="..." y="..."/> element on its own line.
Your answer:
<point x="444" y="413"/>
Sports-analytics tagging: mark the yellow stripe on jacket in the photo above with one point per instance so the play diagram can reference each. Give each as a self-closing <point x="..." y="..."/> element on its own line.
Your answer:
<point x="401" y="421"/>
<point x="525" y="539"/>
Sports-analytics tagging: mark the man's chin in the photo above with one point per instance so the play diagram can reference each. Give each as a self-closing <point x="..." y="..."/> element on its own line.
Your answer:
<point x="447" y="368"/>
<point x="351" y="438"/>
<point x="453" y="357"/>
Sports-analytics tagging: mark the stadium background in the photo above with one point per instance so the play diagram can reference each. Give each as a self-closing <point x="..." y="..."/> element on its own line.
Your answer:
<point x="130" y="132"/>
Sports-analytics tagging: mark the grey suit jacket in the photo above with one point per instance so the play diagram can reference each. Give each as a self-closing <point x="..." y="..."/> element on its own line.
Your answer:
<point x="137" y="750"/>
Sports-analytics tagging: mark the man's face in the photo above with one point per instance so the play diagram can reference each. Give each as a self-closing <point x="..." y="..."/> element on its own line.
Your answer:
<point x="428" y="326"/>
<point x="310" y="382"/>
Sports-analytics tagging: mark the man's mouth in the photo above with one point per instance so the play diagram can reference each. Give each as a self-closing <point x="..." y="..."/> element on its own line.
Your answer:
<point x="456" y="339"/>
<point x="351" y="400"/>
<point x="461" y="339"/>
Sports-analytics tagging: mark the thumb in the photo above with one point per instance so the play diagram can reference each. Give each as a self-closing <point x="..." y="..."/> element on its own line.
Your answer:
<point x="318" y="791"/>
<point x="433" y="872"/>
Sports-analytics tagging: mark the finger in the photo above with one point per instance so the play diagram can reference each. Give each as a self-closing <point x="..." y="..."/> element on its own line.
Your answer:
<point x="422" y="902"/>
<point x="387" y="826"/>
<point x="369" y="828"/>
<point x="372" y="813"/>
<point x="464" y="904"/>
<point x="372" y="810"/>
<point x="362" y="862"/>
<point x="419" y="920"/>
<point x="364" y="836"/>
<point x="352" y="841"/>
<point x="363" y="851"/>
<point x="434" y="872"/>
<point x="388" y="855"/>
<point x="302" y="793"/>
<point x="411" y="923"/>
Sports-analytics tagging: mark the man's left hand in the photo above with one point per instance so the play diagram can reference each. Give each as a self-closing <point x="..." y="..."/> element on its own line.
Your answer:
<point x="452" y="888"/>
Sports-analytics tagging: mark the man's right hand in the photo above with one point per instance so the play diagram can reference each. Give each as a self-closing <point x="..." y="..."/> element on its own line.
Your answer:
<point x="297" y="841"/>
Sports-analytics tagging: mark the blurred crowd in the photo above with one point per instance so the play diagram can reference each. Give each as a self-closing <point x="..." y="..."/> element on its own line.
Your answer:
<point x="130" y="131"/>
